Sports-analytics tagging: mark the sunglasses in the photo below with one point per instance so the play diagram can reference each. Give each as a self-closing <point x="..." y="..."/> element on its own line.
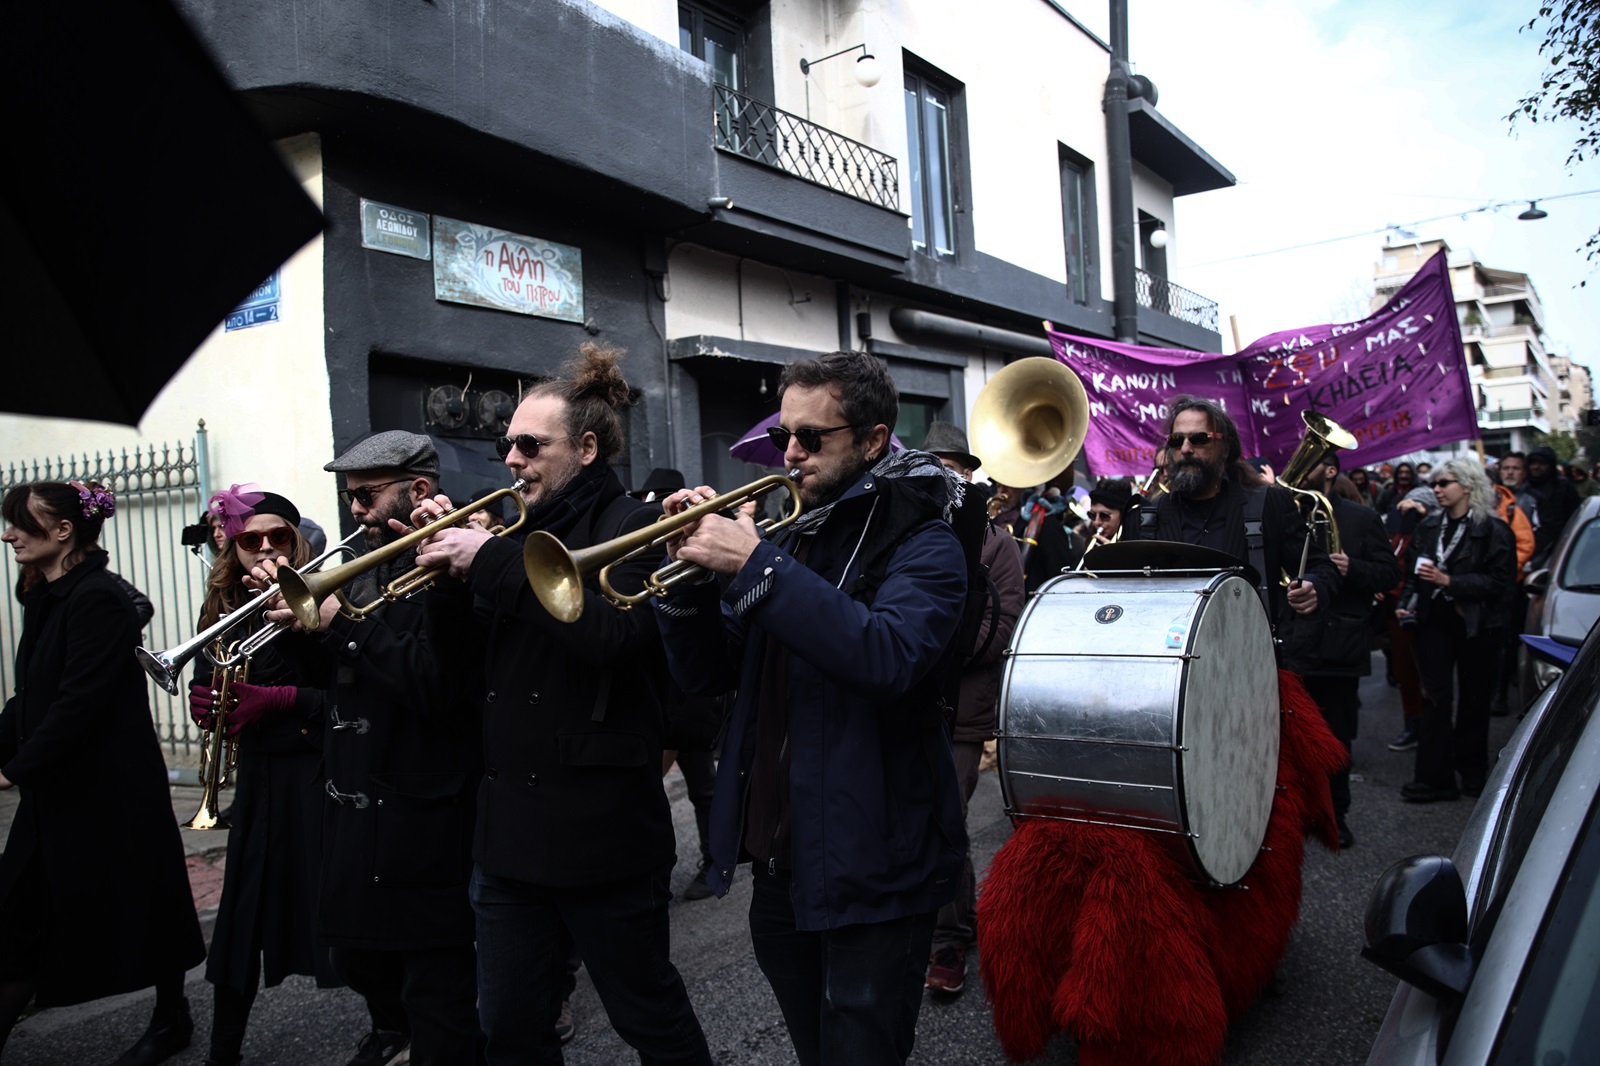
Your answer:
<point x="1198" y="439"/>
<point x="810" y="439"/>
<point x="367" y="493"/>
<point x="1441" y="482"/>
<point x="526" y="443"/>
<point x="279" y="537"/>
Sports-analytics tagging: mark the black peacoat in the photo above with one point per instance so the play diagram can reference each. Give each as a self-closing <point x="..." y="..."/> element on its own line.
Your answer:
<point x="96" y="812"/>
<point x="1336" y="642"/>
<point x="572" y="719"/>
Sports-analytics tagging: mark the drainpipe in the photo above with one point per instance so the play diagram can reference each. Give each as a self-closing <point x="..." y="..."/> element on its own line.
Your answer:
<point x="1119" y="157"/>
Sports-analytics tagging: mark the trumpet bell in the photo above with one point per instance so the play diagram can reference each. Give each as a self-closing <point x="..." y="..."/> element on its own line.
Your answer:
<point x="303" y="593"/>
<point x="555" y="574"/>
<point x="1029" y="422"/>
<point x="162" y="670"/>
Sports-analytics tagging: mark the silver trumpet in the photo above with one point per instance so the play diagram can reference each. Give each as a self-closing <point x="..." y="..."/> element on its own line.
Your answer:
<point x="166" y="668"/>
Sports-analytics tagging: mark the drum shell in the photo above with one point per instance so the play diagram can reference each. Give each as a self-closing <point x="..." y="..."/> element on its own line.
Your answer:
<point x="1149" y="702"/>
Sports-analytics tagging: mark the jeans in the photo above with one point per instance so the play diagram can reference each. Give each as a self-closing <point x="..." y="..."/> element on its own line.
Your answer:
<point x="848" y="995"/>
<point x="957" y="923"/>
<point x="620" y="929"/>
<point x="429" y="994"/>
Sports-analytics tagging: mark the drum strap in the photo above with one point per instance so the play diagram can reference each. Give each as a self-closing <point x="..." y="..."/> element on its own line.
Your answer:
<point x="1255" y="542"/>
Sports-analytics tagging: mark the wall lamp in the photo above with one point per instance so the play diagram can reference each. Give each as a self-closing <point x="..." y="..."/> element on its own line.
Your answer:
<point x="868" y="70"/>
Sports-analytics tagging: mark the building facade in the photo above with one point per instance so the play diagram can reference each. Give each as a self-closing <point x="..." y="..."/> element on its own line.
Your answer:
<point x="1516" y="384"/>
<point x="505" y="181"/>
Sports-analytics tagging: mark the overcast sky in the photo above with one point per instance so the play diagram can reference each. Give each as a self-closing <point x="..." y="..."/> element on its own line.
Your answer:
<point x="1342" y="117"/>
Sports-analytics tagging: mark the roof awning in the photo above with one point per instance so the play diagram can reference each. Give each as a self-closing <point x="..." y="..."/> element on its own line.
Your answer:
<point x="1165" y="149"/>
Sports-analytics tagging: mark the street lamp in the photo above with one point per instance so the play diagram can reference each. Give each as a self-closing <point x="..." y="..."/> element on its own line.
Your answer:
<point x="1533" y="213"/>
<point x="868" y="70"/>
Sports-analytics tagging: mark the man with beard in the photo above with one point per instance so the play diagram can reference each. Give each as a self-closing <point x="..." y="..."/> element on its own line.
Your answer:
<point x="837" y="782"/>
<point x="1216" y="500"/>
<point x="401" y="754"/>
<point x="575" y="834"/>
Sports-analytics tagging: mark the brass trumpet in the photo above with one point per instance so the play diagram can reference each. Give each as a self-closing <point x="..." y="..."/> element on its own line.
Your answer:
<point x="557" y="574"/>
<point x="1322" y="435"/>
<point x="304" y="594"/>
<point x="220" y="754"/>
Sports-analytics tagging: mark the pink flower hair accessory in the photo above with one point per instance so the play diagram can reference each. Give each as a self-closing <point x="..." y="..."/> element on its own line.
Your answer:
<point x="96" y="500"/>
<point x="234" y="506"/>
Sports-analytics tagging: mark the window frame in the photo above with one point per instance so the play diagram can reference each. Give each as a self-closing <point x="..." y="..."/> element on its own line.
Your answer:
<point x="920" y="77"/>
<point x="699" y="16"/>
<point x="1089" y="239"/>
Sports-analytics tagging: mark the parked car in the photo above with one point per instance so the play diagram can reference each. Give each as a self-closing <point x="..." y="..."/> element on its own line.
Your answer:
<point x="1498" y="946"/>
<point x="1563" y="598"/>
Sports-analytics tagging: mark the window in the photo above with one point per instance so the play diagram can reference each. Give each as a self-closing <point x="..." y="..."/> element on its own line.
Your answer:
<point x="1153" y="259"/>
<point x="930" y="136"/>
<point x="715" y="38"/>
<point x="1077" y="210"/>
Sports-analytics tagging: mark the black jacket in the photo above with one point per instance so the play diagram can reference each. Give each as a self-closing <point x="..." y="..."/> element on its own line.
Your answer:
<point x="1335" y="642"/>
<point x="95" y="813"/>
<point x="1558" y="501"/>
<point x="1480" y="570"/>
<point x="401" y="757"/>
<point x="572" y="720"/>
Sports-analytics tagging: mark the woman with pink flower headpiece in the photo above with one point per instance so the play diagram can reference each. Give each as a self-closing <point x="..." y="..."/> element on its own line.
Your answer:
<point x="94" y="895"/>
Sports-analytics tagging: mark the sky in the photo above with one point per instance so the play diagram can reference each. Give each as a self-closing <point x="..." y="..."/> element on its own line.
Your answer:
<point x="1344" y="117"/>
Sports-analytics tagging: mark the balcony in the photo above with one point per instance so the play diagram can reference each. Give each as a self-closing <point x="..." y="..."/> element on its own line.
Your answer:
<point x="1159" y="294"/>
<point x="763" y="133"/>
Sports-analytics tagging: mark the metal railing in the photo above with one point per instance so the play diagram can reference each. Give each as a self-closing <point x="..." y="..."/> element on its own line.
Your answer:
<point x="1159" y="294"/>
<point x="775" y="138"/>
<point x="160" y="488"/>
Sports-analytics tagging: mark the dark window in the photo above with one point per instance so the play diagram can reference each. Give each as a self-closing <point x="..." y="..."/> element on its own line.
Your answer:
<point x="931" y="140"/>
<point x="1153" y="259"/>
<point x="715" y="38"/>
<point x="1077" y="210"/>
<point x="915" y="417"/>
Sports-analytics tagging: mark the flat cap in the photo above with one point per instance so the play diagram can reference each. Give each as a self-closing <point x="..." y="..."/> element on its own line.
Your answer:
<point x="392" y="449"/>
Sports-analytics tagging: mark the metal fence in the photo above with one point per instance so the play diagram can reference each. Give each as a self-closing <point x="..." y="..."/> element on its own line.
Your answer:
<point x="764" y="133"/>
<point x="1159" y="294"/>
<point x="160" y="488"/>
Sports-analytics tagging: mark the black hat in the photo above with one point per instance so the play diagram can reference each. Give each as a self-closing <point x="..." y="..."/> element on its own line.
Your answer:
<point x="1544" y="454"/>
<point x="272" y="503"/>
<point x="1114" y="493"/>
<point x="662" y="480"/>
<point x="945" y="438"/>
<point x="392" y="449"/>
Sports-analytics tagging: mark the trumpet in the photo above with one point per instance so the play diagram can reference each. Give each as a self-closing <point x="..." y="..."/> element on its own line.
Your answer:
<point x="220" y="755"/>
<point x="303" y="594"/>
<point x="1322" y="435"/>
<point x="166" y="668"/>
<point x="557" y="574"/>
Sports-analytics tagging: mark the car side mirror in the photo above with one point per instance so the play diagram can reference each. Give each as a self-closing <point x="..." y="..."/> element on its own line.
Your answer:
<point x="1416" y="926"/>
<point x="1538" y="582"/>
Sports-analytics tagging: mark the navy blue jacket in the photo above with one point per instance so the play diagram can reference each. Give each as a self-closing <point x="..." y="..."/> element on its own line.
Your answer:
<point x="876" y="828"/>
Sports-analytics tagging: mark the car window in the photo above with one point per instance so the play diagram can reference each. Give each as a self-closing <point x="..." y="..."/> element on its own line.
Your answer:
<point x="1533" y="783"/>
<point x="1556" y="1010"/>
<point x="1582" y="566"/>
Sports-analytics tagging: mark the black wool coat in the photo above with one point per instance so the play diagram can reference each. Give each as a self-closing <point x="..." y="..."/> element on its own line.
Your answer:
<point x="96" y="812"/>
<point x="401" y="748"/>
<point x="572" y="720"/>
<point x="1336" y="642"/>
<point x="1482" y="567"/>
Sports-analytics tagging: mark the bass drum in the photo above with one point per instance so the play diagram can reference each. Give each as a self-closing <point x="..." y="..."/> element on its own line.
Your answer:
<point x="1146" y="700"/>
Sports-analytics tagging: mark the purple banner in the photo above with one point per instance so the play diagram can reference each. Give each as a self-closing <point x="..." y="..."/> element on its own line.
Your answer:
<point x="1397" y="380"/>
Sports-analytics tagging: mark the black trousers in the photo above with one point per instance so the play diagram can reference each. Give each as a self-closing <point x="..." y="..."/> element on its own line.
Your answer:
<point x="1340" y="705"/>
<point x="1453" y="735"/>
<point x="429" y="994"/>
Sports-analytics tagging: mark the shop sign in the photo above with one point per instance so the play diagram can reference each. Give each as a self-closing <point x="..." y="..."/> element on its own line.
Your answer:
<point x="489" y="267"/>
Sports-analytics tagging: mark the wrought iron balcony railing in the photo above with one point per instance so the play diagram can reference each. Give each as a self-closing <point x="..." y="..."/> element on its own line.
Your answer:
<point x="1159" y="294"/>
<point x="789" y="143"/>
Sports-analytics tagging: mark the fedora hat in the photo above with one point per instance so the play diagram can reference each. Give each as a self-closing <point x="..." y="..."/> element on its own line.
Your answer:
<point x="946" y="438"/>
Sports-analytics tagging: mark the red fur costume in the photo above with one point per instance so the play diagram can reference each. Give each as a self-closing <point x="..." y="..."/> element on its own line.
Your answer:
<point x="1096" y="930"/>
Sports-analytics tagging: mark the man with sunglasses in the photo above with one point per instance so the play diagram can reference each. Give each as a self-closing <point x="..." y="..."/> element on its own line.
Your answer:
<point x="402" y="751"/>
<point x="575" y="836"/>
<point x="837" y="781"/>
<point x="1217" y="500"/>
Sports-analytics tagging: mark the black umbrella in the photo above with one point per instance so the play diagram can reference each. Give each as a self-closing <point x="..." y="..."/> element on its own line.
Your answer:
<point x="141" y="204"/>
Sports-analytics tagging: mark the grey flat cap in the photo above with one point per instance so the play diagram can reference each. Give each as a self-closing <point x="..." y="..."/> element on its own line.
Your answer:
<point x="946" y="438"/>
<point x="393" y="449"/>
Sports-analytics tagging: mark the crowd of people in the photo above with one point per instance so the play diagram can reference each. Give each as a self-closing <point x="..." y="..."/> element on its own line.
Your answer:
<point x="450" y="804"/>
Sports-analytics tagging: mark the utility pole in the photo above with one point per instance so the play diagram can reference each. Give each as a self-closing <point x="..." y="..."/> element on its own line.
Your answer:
<point x="1119" y="156"/>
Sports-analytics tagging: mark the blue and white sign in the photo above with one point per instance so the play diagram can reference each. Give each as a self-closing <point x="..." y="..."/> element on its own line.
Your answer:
<point x="260" y="306"/>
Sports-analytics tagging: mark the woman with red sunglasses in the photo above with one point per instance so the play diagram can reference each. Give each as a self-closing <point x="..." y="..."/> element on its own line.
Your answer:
<point x="266" y="916"/>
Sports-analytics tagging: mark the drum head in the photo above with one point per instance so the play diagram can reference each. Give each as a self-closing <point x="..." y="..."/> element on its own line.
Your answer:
<point x="1164" y="555"/>
<point x="1229" y="730"/>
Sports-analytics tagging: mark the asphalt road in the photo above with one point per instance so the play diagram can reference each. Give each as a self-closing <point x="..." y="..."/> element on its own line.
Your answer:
<point x="1324" y="1008"/>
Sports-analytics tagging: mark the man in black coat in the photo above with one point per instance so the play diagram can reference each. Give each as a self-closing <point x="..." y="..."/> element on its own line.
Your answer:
<point x="402" y="756"/>
<point x="1331" y="650"/>
<point x="574" y="829"/>
<point x="1211" y="496"/>
<point x="1556" y="501"/>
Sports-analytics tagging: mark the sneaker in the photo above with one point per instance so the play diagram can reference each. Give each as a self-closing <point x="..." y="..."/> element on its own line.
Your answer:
<point x="564" y="1027"/>
<point x="1406" y="741"/>
<point x="947" y="970"/>
<point x="697" y="888"/>
<point x="382" y="1047"/>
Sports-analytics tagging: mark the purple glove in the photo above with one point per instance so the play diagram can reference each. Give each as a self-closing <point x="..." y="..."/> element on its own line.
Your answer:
<point x="202" y="704"/>
<point x="255" y="701"/>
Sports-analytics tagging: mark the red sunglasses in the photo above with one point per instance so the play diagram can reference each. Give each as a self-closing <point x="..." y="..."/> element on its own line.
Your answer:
<point x="279" y="537"/>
